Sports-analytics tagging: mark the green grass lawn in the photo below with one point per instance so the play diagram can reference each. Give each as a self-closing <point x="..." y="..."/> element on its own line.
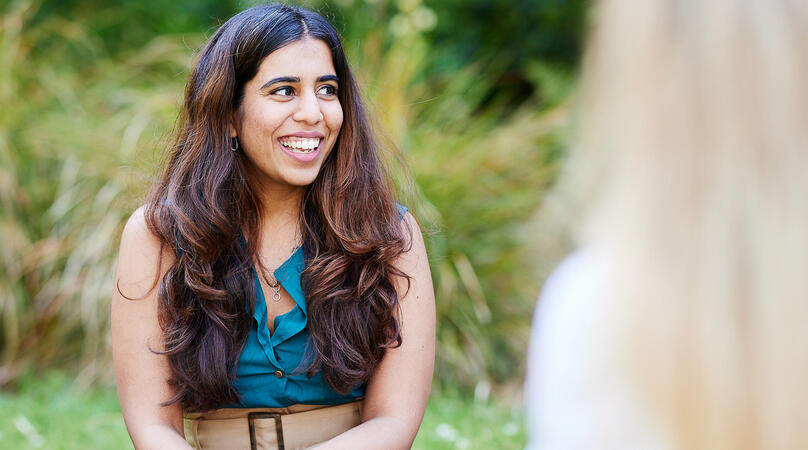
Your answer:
<point x="46" y="412"/>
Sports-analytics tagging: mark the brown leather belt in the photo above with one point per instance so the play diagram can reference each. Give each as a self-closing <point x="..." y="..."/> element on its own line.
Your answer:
<point x="291" y="428"/>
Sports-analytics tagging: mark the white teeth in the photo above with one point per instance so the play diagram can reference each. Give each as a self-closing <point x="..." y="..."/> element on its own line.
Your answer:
<point x="301" y="145"/>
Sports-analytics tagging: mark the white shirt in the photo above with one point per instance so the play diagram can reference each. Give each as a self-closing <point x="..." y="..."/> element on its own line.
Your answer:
<point x="575" y="397"/>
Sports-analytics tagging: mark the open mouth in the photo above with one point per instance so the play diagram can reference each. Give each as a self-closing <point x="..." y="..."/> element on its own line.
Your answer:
<point x="300" y="145"/>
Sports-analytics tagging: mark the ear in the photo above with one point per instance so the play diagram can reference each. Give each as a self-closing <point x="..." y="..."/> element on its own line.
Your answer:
<point x="234" y="124"/>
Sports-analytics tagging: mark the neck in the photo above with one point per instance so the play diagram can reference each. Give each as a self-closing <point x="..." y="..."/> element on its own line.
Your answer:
<point x="281" y="203"/>
<point x="281" y="211"/>
<point x="279" y="221"/>
<point x="280" y="216"/>
<point x="280" y="235"/>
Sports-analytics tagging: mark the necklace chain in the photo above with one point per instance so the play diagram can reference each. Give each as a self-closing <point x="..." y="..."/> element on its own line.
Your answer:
<point x="275" y="285"/>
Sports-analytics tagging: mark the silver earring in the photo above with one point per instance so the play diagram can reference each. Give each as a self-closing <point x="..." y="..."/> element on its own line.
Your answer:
<point x="234" y="144"/>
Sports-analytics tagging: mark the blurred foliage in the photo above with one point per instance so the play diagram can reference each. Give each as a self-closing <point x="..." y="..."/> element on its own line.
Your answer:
<point x="70" y="134"/>
<point x="472" y="93"/>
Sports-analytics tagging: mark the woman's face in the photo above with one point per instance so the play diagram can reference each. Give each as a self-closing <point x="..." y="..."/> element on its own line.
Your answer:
<point x="290" y="116"/>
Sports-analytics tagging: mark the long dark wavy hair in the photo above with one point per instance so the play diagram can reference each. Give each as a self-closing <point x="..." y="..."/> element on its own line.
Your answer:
<point x="351" y="228"/>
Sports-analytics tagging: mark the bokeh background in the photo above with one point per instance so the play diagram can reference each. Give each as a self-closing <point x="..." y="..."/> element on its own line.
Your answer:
<point x="475" y="94"/>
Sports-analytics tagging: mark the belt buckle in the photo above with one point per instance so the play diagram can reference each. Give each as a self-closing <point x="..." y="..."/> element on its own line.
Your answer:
<point x="265" y="415"/>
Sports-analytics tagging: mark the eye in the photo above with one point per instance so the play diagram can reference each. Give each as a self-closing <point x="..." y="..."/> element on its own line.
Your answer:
<point x="327" y="89"/>
<point x="283" y="91"/>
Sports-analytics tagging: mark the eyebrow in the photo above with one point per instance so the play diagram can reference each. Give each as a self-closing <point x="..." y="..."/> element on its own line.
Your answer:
<point x="297" y="80"/>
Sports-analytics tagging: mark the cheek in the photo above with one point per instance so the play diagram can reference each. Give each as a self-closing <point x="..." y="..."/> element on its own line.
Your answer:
<point x="263" y="120"/>
<point x="333" y="118"/>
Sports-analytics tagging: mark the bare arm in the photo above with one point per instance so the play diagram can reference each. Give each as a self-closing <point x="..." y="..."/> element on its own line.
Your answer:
<point x="142" y="375"/>
<point x="397" y="393"/>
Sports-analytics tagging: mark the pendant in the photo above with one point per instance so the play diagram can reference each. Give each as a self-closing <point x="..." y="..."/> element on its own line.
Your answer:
<point x="276" y="297"/>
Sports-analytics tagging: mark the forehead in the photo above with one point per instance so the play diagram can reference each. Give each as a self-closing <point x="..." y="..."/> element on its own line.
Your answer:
<point x="304" y="57"/>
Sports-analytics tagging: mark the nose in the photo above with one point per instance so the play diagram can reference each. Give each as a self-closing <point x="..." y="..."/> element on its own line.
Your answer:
<point x="308" y="110"/>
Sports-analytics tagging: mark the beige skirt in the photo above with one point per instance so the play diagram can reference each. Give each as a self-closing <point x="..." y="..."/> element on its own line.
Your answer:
<point x="291" y="428"/>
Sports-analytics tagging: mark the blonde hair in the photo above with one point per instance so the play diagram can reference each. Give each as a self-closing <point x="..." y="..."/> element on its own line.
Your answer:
<point x="693" y="155"/>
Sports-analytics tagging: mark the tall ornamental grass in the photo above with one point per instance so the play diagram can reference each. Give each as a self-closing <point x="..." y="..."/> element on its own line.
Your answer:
<point x="82" y="130"/>
<point x="78" y="130"/>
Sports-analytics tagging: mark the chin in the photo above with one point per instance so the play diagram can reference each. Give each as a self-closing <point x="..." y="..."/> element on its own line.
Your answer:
<point x="302" y="179"/>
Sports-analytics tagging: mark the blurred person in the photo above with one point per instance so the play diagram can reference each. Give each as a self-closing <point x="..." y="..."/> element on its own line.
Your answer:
<point x="679" y="323"/>
<point x="288" y="300"/>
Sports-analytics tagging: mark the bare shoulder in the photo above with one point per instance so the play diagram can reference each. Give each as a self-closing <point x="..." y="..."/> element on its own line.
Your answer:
<point x="411" y="226"/>
<point x="136" y="232"/>
<point x="414" y="259"/>
<point x="141" y="258"/>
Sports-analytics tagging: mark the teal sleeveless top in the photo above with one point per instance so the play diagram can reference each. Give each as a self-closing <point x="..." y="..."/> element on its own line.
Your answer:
<point x="269" y="373"/>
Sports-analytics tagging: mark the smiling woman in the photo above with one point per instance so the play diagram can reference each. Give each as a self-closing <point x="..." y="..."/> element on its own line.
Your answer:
<point x="273" y="185"/>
